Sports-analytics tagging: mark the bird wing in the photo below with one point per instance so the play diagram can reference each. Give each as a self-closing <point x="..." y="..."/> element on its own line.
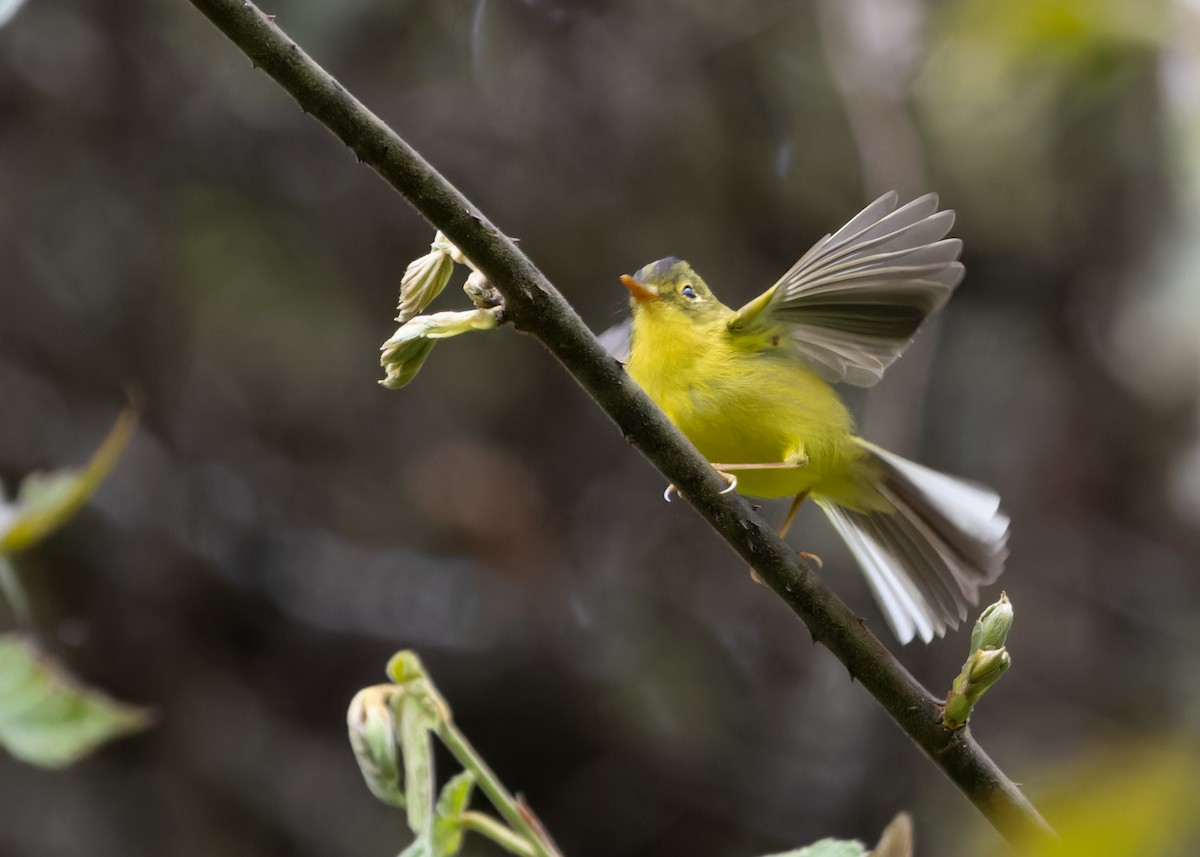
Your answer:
<point x="618" y="340"/>
<point x="853" y="303"/>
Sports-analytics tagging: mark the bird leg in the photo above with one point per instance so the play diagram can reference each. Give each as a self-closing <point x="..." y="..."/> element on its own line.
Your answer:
<point x="791" y="515"/>
<point x="728" y="472"/>
<point x="783" y="528"/>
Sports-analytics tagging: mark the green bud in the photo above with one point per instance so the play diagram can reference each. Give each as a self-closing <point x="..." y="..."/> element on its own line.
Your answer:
<point x="982" y="669"/>
<point x="988" y="661"/>
<point x="405" y="353"/>
<point x="956" y="712"/>
<point x="403" y="356"/>
<point x="443" y="325"/>
<point x="992" y="627"/>
<point x="481" y="292"/>
<point x="423" y="281"/>
<point x="985" y="666"/>
<point x="371" y="721"/>
<point x="405" y="666"/>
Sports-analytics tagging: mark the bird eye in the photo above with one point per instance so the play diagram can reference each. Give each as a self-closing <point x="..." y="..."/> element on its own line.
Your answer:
<point x="688" y="292"/>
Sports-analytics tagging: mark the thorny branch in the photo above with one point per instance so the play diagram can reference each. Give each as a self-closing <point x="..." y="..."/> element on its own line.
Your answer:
<point x="535" y="307"/>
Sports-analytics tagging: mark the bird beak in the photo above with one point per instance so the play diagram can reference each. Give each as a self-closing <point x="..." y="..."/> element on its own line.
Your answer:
<point x="641" y="293"/>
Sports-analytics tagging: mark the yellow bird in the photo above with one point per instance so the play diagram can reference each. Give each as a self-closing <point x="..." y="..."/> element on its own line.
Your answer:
<point x="751" y="390"/>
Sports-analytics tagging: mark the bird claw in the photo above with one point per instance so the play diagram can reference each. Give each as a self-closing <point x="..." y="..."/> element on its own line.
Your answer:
<point x="812" y="557"/>
<point x="728" y="477"/>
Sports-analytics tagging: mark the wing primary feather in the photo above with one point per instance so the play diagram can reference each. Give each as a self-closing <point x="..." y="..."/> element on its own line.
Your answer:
<point x="854" y="301"/>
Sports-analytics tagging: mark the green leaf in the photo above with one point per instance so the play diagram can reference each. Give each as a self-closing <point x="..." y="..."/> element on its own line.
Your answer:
<point x="47" y="501"/>
<point x="447" y="825"/>
<point x="406" y="351"/>
<point x="456" y="794"/>
<point x="390" y="726"/>
<point x="828" y="848"/>
<point x="46" y="717"/>
<point x="423" y="281"/>
<point x="417" y="721"/>
<point x="391" y="729"/>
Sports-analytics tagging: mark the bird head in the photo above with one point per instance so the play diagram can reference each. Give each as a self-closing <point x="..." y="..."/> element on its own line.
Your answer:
<point x="670" y="285"/>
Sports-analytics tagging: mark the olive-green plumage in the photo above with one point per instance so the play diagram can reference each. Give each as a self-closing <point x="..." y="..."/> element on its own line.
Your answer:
<point x="751" y="390"/>
<point x="742" y="396"/>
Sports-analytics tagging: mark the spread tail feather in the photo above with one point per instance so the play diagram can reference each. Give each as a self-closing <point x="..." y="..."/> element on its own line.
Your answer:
<point x="926" y="557"/>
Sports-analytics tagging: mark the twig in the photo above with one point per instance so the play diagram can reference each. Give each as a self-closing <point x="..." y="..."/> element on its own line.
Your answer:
<point x="535" y="307"/>
<point x="513" y="810"/>
<point x="487" y="826"/>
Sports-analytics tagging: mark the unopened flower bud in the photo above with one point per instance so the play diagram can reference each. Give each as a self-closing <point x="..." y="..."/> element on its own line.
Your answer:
<point x="372" y="725"/>
<point x="405" y="666"/>
<point x="992" y="627"/>
<point x="481" y="292"/>
<point x="985" y="666"/>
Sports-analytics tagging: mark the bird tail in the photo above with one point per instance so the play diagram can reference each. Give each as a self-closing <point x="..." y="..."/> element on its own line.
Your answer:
<point x="929" y="550"/>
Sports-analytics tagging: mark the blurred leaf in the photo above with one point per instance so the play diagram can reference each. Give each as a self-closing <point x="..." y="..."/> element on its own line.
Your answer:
<point x="46" y="501"/>
<point x="417" y="720"/>
<point x="896" y="841"/>
<point x="897" y="838"/>
<point x="390" y="724"/>
<point x="452" y="802"/>
<point x="406" y="712"/>
<point x="828" y="848"/>
<point x="46" y="717"/>
<point x="1140" y="803"/>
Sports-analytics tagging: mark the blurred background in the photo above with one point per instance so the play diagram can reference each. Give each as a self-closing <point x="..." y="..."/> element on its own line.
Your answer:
<point x="171" y="223"/>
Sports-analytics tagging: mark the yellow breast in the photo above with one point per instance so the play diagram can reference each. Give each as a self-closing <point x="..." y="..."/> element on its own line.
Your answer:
<point x="743" y="399"/>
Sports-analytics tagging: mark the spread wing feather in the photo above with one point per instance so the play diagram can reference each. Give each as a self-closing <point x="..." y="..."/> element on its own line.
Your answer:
<point x="854" y="301"/>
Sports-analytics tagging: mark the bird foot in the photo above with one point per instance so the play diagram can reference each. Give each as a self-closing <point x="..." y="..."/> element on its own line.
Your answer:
<point x="728" y="477"/>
